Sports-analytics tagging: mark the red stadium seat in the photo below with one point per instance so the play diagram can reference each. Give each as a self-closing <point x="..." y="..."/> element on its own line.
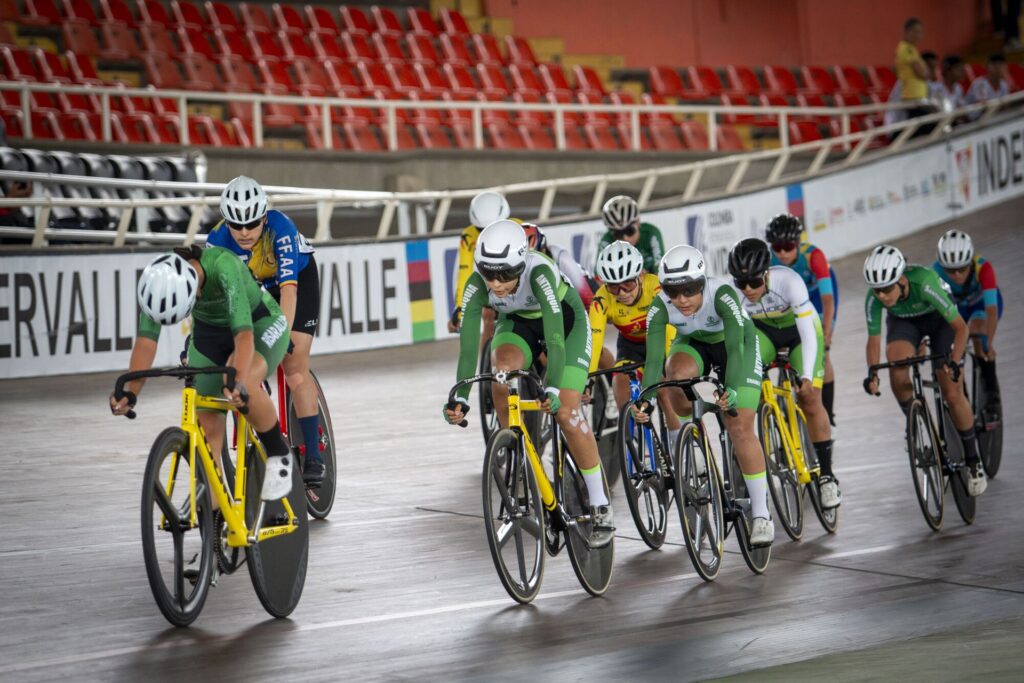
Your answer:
<point x="454" y="50"/>
<point x="5" y="35"/>
<point x="243" y="132"/>
<point x="595" y="117"/>
<point x="588" y="81"/>
<point x="162" y="73"/>
<point x="665" y="138"/>
<point x="187" y="15"/>
<point x="12" y="123"/>
<point x="388" y="47"/>
<point x="45" y="125"/>
<point x="504" y="136"/>
<point x="811" y="100"/>
<point x="420" y="21"/>
<point x="74" y="10"/>
<point x="530" y="118"/>
<point x="462" y="133"/>
<point x="736" y="101"/>
<point x="233" y="43"/>
<point x="421" y="49"/>
<point x="666" y="81"/>
<point x="453" y="21"/>
<point x="9" y="10"/>
<point x="224" y="135"/>
<point x="573" y="118"/>
<point x="82" y="69"/>
<point x="357" y="47"/>
<point x="432" y="136"/>
<point x="728" y="139"/>
<point x="154" y="12"/>
<point x="326" y="47"/>
<point x="460" y="79"/>
<point x="487" y="51"/>
<point x="386" y="21"/>
<point x="314" y="80"/>
<point x="850" y="79"/>
<point x="493" y="80"/>
<point x="265" y="45"/>
<point x="599" y="136"/>
<point x="361" y="137"/>
<point x="781" y="80"/>
<point x="195" y="41"/>
<point x="275" y="77"/>
<point x="803" y="131"/>
<point x="453" y="116"/>
<point x="255" y="18"/>
<point x="882" y="79"/>
<point x="79" y="126"/>
<point x="430" y="79"/>
<point x="818" y="79"/>
<point x="315" y="136"/>
<point x="20" y="65"/>
<point x="354" y="21"/>
<point x="342" y="79"/>
<point x="200" y="73"/>
<point x="524" y="79"/>
<point x="119" y="41"/>
<point x="221" y="16"/>
<point x="156" y="38"/>
<point x="80" y="39"/>
<point x="742" y="79"/>
<point x="519" y="51"/>
<point x="536" y="137"/>
<point x="694" y="135"/>
<point x="501" y="116"/>
<point x="424" y="115"/>
<point x="322" y="21"/>
<point x="296" y="46"/>
<point x="289" y="19"/>
<point x="373" y="76"/>
<point x="553" y="78"/>
<point x="117" y="10"/>
<point x="40" y="13"/>
<point x="705" y="83"/>
<point x="401" y="78"/>
<point x="50" y="67"/>
<point x="238" y="75"/>
<point x="657" y="117"/>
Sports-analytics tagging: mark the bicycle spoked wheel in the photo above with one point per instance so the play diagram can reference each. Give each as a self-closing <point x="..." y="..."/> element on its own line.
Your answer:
<point x="513" y="516"/>
<point x="925" y="465"/>
<point x="605" y="428"/>
<point x="956" y="474"/>
<point x="593" y="566"/>
<point x="277" y="565"/>
<point x="829" y="517"/>
<point x="319" y="499"/>
<point x="989" y="423"/>
<point x="171" y="545"/>
<point x="488" y="415"/>
<point x="699" y="501"/>
<point x="642" y="480"/>
<point x="756" y="558"/>
<point x="783" y="482"/>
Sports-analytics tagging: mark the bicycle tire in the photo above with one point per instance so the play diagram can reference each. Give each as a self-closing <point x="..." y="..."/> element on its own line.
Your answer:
<point x="643" y="481"/>
<point x="320" y="499"/>
<point x="181" y="602"/>
<point x="277" y="565"/>
<point x="757" y="559"/>
<point x="925" y="465"/>
<point x="699" y="501"/>
<point x="592" y="566"/>
<point x="488" y="415"/>
<point x="606" y="431"/>
<point x="783" y="483"/>
<point x="828" y="517"/>
<point x="989" y="425"/>
<point x="508" y="481"/>
<point x="956" y="470"/>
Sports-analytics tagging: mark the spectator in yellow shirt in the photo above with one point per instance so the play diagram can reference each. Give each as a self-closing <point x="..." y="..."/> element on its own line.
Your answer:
<point x="913" y="73"/>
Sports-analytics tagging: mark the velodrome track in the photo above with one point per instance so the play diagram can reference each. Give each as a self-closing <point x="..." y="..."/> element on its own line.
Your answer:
<point x="401" y="584"/>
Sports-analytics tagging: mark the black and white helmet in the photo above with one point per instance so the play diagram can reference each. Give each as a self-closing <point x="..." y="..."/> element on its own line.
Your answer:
<point x="956" y="249"/>
<point x="167" y="289"/>
<point x="488" y="207"/>
<point x="620" y="212"/>
<point x="680" y="264"/>
<point x="243" y="201"/>
<point x="884" y="266"/>
<point x="501" y="250"/>
<point x="619" y="262"/>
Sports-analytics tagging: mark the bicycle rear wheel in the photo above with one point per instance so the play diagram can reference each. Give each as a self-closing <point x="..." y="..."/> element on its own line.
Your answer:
<point x="319" y="500"/>
<point x="829" y="517"/>
<point x="593" y="566"/>
<point x="699" y="501"/>
<point x="783" y="483"/>
<point x="989" y="424"/>
<point x="756" y="558"/>
<point x="605" y="428"/>
<point x="277" y="565"/>
<point x="488" y="415"/>
<point x="170" y="544"/>
<point x="925" y="465"/>
<point x="513" y="511"/>
<point x="956" y="471"/>
<point x="642" y="480"/>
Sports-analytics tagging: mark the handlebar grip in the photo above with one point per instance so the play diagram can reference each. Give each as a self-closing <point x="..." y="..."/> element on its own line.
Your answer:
<point x="243" y="393"/>
<point x="453" y="404"/>
<point x="464" y="424"/>
<point x="130" y="414"/>
<point x="731" y="412"/>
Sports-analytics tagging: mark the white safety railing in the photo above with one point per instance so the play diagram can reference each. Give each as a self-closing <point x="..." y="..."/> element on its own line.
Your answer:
<point x="324" y="105"/>
<point x="850" y="148"/>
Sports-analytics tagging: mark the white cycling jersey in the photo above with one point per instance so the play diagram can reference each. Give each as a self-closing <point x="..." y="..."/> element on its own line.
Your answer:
<point x="787" y="303"/>
<point x="706" y="324"/>
<point x="568" y="266"/>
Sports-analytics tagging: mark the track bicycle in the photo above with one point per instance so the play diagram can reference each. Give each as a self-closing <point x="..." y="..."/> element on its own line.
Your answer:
<point x="936" y="453"/>
<point x="183" y="485"/>
<point x="526" y="515"/>
<point x="712" y="501"/>
<point x="988" y="419"/>
<point x="603" y="418"/>
<point x="791" y="462"/>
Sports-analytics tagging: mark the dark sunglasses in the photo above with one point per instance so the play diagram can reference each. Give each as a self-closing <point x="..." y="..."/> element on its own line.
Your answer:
<point x="626" y="232"/>
<point x="957" y="271"/>
<point x="617" y="287"/>
<point x="784" y="246"/>
<point x="506" y="275"/>
<point x="749" y="282"/>
<point x="246" y="226"/>
<point x="886" y="290"/>
<point x="687" y="289"/>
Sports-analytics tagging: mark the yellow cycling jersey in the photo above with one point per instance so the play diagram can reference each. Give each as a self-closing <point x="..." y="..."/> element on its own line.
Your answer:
<point x="631" y="321"/>
<point x="467" y="245"/>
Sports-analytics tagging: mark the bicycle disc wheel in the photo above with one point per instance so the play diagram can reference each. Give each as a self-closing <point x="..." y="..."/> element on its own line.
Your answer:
<point x="277" y="565"/>
<point x="513" y="511"/>
<point x="989" y="424"/>
<point x="699" y="501"/>
<point x="756" y="558"/>
<point x="319" y="500"/>
<point x="829" y="517"/>
<point x="956" y="474"/>
<point x="170" y="544"/>
<point x="488" y="416"/>
<point x="642" y="480"/>
<point x="783" y="483"/>
<point x="925" y="465"/>
<point x="593" y="566"/>
<point x="605" y="428"/>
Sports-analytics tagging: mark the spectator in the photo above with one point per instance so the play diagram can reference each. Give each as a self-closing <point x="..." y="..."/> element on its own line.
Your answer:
<point x="990" y="86"/>
<point x="911" y="70"/>
<point x="950" y="93"/>
<point x="13" y="215"/>
<point x="931" y="61"/>
<point x="1005" y="22"/>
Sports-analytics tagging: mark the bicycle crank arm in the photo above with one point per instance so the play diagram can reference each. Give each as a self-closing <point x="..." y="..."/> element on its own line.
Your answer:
<point x="255" y="533"/>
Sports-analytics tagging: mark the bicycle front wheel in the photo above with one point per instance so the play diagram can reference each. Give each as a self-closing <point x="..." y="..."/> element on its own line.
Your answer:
<point x="925" y="465"/>
<point x="783" y="482"/>
<point x="756" y="558"/>
<point x="320" y="499"/>
<point x="488" y="415"/>
<point x="593" y="566"/>
<point x="956" y="470"/>
<point x="277" y="565"/>
<point x="171" y="544"/>
<point x="699" y="500"/>
<point x="513" y="516"/>
<point x="642" y="480"/>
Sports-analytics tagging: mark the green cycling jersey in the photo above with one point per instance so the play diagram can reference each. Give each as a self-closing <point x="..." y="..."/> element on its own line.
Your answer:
<point x="924" y="294"/>
<point x="651" y="245"/>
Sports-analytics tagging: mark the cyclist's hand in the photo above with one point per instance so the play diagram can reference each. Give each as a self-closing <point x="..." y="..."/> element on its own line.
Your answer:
<point x="640" y="413"/>
<point x="805" y="388"/>
<point x="456" y="412"/>
<point x="989" y="355"/>
<point x="586" y="397"/>
<point x="552" y="403"/>
<point x="124" y="405"/>
<point x="454" y="322"/>
<point x="871" y="385"/>
<point x="238" y="396"/>
<point x="952" y="369"/>
<point x="727" y="399"/>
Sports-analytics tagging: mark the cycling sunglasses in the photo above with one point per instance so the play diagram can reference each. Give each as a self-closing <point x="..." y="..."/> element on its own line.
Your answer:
<point x="245" y="227"/>
<point x="886" y="290"/>
<point x="784" y="246"/>
<point x="625" y="232"/>
<point x="957" y="271"/>
<point x="688" y="289"/>
<point x="617" y="287"/>
<point x="506" y="275"/>
<point x="749" y="282"/>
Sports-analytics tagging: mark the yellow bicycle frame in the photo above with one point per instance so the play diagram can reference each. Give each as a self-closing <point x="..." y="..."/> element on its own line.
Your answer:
<point x="232" y="506"/>
<point x="788" y="425"/>
<point x="516" y="406"/>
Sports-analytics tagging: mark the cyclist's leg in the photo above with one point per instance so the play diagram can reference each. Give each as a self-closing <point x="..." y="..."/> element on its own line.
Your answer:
<point x="811" y="403"/>
<point x="902" y="338"/>
<point x="210" y="347"/>
<point x="514" y="347"/>
<point x="977" y="317"/>
<point x="296" y="363"/>
<point x="626" y="352"/>
<point x="742" y="428"/>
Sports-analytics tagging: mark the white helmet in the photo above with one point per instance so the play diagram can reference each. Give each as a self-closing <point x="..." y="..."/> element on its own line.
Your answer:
<point x="167" y="289"/>
<point x="488" y="207"/>
<point x="956" y="249"/>
<point x="501" y="251"/>
<point x="884" y="266"/>
<point x="681" y="264"/>
<point x="620" y="212"/>
<point x="243" y="201"/>
<point x="619" y="262"/>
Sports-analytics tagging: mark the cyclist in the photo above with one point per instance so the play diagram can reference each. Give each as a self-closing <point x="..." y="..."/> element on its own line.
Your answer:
<point x="972" y="281"/>
<point x="282" y="260"/>
<point x="624" y="299"/>
<point x="784" y="232"/>
<point x="622" y="218"/>
<point x="234" y="323"/>
<point x="538" y="311"/>
<point x="485" y="208"/>
<point x="776" y="298"/>
<point x="713" y="332"/>
<point x="577" y="275"/>
<point x="917" y="306"/>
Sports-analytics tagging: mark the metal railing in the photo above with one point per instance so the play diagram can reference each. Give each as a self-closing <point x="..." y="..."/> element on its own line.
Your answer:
<point x="859" y="146"/>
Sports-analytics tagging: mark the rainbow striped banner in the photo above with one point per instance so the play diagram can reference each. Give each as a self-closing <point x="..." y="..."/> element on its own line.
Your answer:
<point x="421" y="303"/>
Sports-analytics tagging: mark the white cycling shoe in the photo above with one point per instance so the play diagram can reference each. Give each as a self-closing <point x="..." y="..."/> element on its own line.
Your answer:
<point x="831" y="496"/>
<point x="762" y="532"/>
<point x="278" y="481"/>
<point x="977" y="481"/>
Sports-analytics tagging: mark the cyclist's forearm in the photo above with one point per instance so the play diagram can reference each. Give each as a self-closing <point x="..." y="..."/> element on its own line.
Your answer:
<point x="828" y="309"/>
<point x="245" y="350"/>
<point x="962" y="334"/>
<point x="874" y="349"/>
<point x="143" y="354"/>
<point x="289" y="302"/>
<point x="991" y="321"/>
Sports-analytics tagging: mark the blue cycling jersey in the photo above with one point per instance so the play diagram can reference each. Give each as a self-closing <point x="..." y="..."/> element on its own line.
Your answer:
<point x="277" y="258"/>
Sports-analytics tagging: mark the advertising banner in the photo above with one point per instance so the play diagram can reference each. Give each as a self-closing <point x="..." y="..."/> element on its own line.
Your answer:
<point x="988" y="166"/>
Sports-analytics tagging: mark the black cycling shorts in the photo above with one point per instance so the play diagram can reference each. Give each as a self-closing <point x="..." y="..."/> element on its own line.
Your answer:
<point x="307" y="305"/>
<point x="626" y="350"/>
<point x="912" y="330"/>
